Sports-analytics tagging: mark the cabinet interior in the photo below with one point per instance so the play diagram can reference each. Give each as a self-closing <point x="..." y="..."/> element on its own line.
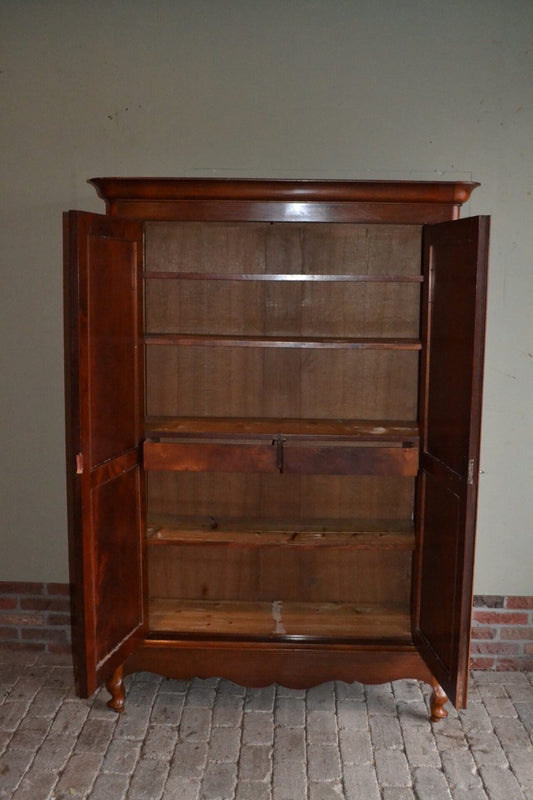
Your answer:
<point x="281" y="441"/>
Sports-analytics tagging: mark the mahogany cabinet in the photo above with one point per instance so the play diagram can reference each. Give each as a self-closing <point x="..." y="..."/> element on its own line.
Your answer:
<point x="274" y="397"/>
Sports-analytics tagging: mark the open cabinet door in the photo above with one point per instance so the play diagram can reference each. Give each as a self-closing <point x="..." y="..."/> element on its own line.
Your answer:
<point x="453" y="325"/>
<point x="104" y="380"/>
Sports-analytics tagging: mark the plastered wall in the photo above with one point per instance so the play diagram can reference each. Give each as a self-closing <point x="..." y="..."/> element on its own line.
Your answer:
<point x="285" y="88"/>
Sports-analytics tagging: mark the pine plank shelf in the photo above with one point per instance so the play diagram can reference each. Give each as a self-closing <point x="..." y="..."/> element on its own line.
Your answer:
<point x="253" y="533"/>
<point x="290" y="276"/>
<point x="278" y="620"/>
<point x="322" y="342"/>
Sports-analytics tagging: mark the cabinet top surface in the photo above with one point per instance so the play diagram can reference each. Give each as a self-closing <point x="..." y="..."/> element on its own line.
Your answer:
<point x="144" y="188"/>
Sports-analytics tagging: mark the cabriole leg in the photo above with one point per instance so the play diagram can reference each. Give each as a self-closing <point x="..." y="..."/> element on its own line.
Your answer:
<point x="115" y="687"/>
<point x="438" y="701"/>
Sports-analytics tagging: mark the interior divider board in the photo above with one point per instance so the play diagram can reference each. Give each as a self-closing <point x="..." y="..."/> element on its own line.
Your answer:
<point x="290" y="276"/>
<point x="278" y="619"/>
<point x="218" y="340"/>
<point x="350" y="429"/>
<point x="300" y="539"/>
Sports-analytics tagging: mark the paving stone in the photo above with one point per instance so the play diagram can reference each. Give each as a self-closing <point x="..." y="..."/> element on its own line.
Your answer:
<point x="475" y="718"/>
<point x="133" y="722"/>
<point x="224" y="744"/>
<point x="511" y="733"/>
<point x="501" y="784"/>
<point x="219" y="781"/>
<point x="489" y="691"/>
<point x="322" y="727"/>
<point x="260" y="699"/>
<point x="37" y="784"/>
<point x="167" y="709"/>
<point x="323" y="762"/>
<point x="290" y="711"/>
<point x="202" y="696"/>
<point x="148" y="780"/>
<point x="525" y="715"/>
<point x="520" y="692"/>
<point x="228" y="709"/>
<point x="355" y="747"/>
<point x="255" y="762"/>
<point x="289" y="780"/>
<point x="321" y="697"/>
<point x="13" y="765"/>
<point x="78" y="776"/>
<point x="360" y="783"/>
<point x="408" y="691"/>
<point x="189" y="759"/>
<point x="110" y="786"/>
<point x="121" y="756"/>
<point x="95" y="735"/>
<point x="284" y="691"/>
<point x="173" y="686"/>
<point x="325" y="791"/>
<point x="487" y="750"/>
<point x="349" y="691"/>
<point x="460" y="769"/>
<point x="500" y="707"/>
<point x="385" y="732"/>
<point x="392" y="768"/>
<point x="414" y="714"/>
<point x="289" y="744"/>
<point x="398" y="793"/>
<point x="380" y="700"/>
<point x="449" y="734"/>
<point x="258" y="727"/>
<point x="47" y="702"/>
<point x="488" y="676"/>
<point x="70" y="718"/>
<point x="431" y="784"/>
<point x="12" y="713"/>
<point x="195" y="725"/>
<point x="352" y="715"/>
<point x="420" y="748"/>
<point x="253" y="790"/>
<point x="30" y="734"/>
<point x="54" y="752"/>
<point x="521" y="762"/>
<point x="160" y="742"/>
<point x="471" y="794"/>
<point x="179" y="787"/>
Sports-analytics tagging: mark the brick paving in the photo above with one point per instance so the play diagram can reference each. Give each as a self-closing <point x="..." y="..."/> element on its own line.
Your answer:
<point x="213" y="740"/>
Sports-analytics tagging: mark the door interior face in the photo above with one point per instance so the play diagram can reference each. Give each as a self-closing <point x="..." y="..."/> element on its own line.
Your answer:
<point x="102" y="272"/>
<point x="455" y="267"/>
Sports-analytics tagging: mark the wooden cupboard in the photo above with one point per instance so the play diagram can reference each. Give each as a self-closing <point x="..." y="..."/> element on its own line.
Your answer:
<point x="274" y="398"/>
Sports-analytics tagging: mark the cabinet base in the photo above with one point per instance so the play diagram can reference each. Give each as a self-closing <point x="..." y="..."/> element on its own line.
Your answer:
<point x="256" y="665"/>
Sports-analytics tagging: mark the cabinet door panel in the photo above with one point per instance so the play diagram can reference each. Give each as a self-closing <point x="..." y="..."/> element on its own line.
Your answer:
<point x="104" y="422"/>
<point x="455" y="267"/>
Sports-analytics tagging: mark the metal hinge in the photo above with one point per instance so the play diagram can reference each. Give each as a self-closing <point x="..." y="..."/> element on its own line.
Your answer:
<point x="470" y="477"/>
<point x="79" y="463"/>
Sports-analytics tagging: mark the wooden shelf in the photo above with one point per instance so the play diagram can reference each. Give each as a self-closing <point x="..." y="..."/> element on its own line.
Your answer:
<point x="278" y="620"/>
<point x="254" y="533"/>
<point x="269" y="428"/>
<point x="282" y="277"/>
<point x="321" y="342"/>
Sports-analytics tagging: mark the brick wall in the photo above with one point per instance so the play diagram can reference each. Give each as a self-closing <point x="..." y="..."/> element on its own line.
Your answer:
<point x="502" y="633"/>
<point x="37" y="615"/>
